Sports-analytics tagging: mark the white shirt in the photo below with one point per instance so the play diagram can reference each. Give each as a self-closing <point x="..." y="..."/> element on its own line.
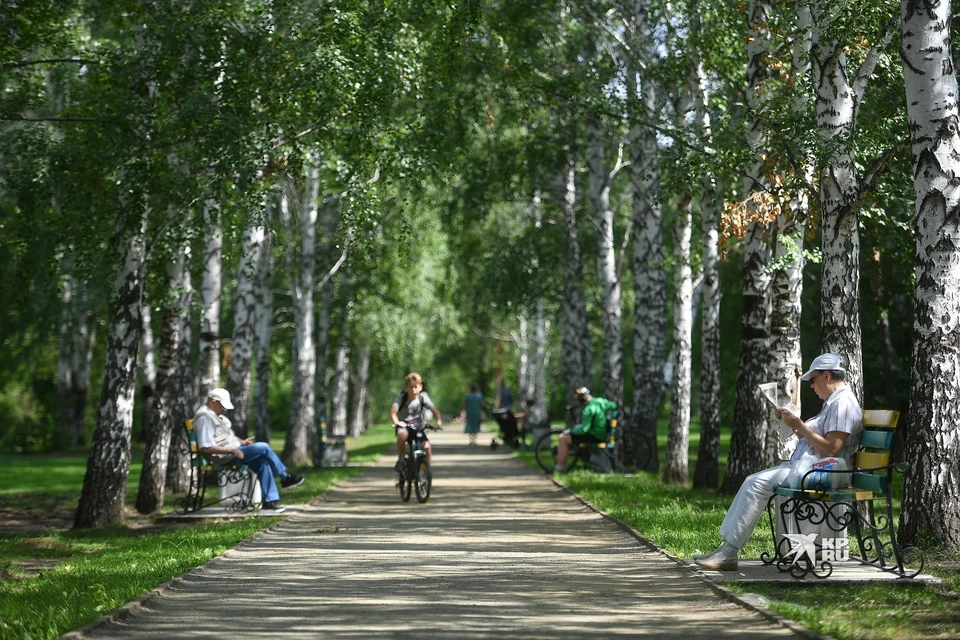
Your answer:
<point x="841" y="412"/>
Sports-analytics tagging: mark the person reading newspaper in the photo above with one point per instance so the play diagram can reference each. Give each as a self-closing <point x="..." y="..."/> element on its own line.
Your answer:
<point x="835" y="431"/>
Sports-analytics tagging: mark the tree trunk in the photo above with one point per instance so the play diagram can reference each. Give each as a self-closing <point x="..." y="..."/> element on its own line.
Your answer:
<point x="339" y="399"/>
<point x="186" y="399"/>
<point x="325" y="291"/>
<point x="748" y="442"/>
<point x="524" y="383"/>
<point x="105" y="482"/>
<point x="575" y="355"/>
<point x="649" y="279"/>
<point x="77" y="334"/>
<point x="264" y="335"/>
<point x="238" y="379"/>
<point x="157" y="436"/>
<point x="210" y="291"/>
<point x="676" y="463"/>
<point x="606" y="263"/>
<point x="361" y="392"/>
<point x="706" y="474"/>
<point x="148" y="370"/>
<point x="930" y="513"/>
<point x="296" y="450"/>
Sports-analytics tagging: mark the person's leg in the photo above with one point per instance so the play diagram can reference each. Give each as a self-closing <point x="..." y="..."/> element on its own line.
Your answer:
<point x="429" y="450"/>
<point x="401" y="443"/>
<point x="743" y="515"/>
<point x="265" y="463"/>
<point x="563" y="449"/>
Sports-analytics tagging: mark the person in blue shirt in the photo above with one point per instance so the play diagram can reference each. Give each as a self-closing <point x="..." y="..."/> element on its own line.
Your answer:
<point x="592" y="427"/>
<point x="506" y="398"/>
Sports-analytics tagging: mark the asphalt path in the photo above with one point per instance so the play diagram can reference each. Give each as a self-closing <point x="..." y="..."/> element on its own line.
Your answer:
<point x="499" y="551"/>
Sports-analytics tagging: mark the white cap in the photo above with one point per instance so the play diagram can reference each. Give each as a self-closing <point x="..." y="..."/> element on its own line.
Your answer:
<point x="824" y="362"/>
<point x="222" y="396"/>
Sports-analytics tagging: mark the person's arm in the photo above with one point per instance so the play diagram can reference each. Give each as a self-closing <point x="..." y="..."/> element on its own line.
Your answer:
<point x="436" y="416"/>
<point x="828" y="446"/>
<point x="218" y="449"/>
<point x="393" y="414"/>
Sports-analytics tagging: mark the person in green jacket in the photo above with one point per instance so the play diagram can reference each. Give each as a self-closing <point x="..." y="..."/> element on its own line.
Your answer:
<point x="592" y="428"/>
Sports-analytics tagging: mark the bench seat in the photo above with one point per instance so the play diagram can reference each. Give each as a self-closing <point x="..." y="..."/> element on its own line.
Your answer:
<point x="236" y="483"/>
<point x="864" y="510"/>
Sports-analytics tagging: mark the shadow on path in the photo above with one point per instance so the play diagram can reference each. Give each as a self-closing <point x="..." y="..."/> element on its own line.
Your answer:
<point x="499" y="551"/>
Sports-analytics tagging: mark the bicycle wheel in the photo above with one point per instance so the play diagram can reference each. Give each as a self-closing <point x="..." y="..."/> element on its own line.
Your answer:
<point x="423" y="481"/>
<point x="404" y="479"/>
<point x="545" y="450"/>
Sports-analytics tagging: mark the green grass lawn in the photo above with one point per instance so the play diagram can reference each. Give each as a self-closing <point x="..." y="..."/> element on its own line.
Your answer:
<point x="55" y="581"/>
<point x="685" y="522"/>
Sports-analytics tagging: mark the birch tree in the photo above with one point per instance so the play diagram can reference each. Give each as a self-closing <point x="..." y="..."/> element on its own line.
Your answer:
<point x="263" y="332"/>
<point x="931" y="490"/>
<point x="210" y="290"/>
<point x="747" y="443"/>
<point x="239" y="377"/>
<point x="649" y="278"/>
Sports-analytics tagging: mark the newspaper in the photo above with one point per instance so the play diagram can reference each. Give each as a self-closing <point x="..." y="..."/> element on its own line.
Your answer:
<point x="788" y="439"/>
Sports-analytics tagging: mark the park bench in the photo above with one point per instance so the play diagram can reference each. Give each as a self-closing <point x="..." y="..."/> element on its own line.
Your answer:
<point x="862" y="511"/>
<point x="235" y="482"/>
<point x="604" y="456"/>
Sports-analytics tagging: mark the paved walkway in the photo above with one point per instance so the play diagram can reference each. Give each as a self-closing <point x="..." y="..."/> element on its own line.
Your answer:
<point x="499" y="551"/>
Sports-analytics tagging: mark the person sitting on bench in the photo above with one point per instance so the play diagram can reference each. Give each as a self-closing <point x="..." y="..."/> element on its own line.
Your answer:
<point x="834" y="432"/>
<point x="219" y="444"/>
<point x="592" y="428"/>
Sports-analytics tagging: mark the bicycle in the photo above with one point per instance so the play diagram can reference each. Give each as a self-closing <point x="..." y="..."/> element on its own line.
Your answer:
<point x="415" y="473"/>
<point x="581" y="454"/>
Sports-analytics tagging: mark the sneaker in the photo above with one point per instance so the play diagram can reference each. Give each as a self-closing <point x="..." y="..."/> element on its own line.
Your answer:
<point x="399" y="466"/>
<point x="273" y="508"/>
<point x="717" y="561"/>
<point x="292" y="480"/>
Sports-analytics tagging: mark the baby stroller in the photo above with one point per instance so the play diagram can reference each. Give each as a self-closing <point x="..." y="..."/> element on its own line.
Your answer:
<point x="510" y="431"/>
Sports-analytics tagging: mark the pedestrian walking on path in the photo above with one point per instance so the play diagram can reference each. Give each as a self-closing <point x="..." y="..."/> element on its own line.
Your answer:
<point x="499" y="551"/>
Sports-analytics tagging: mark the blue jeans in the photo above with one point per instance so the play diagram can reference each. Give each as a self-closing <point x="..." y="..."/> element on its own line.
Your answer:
<point x="266" y="464"/>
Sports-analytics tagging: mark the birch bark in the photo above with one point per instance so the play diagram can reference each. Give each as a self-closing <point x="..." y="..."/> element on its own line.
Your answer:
<point x="210" y="290"/>
<point x="148" y="367"/>
<point x="296" y="450"/>
<point x="649" y="279"/>
<point x="930" y="511"/>
<point x="676" y="463"/>
<point x="606" y="263"/>
<point x="188" y="381"/>
<point x="706" y="474"/>
<point x="576" y="353"/>
<point x="105" y="481"/>
<point x="263" y="332"/>
<point x="361" y="392"/>
<point x="239" y="378"/>
<point x="157" y="451"/>
<point x="747" y="443"/>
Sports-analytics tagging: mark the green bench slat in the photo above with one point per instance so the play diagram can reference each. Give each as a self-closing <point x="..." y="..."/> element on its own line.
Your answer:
<point x="870" y="482"/>
<point x="879" y="439"/>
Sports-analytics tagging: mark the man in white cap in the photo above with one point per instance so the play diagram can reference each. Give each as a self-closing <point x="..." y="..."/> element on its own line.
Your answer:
<point x="834" y="432"/>
<point x="217" y="441"/>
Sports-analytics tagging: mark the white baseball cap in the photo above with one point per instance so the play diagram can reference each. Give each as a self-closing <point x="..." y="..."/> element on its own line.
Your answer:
<point x="222" y="396"/>
<point x="824" y="362"/>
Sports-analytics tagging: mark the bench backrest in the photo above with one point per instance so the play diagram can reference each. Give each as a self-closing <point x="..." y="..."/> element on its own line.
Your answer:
<point x="875" y="442"/>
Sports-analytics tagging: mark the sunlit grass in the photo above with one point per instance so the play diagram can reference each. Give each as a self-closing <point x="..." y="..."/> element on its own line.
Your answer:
<point x="686" y="522"/>
<point x="56" y="581"/>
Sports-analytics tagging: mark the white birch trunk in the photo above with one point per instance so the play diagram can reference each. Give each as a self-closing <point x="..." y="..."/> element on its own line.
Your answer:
<point x="748" y="442"/>
<point x="157" y="437"/>
<point x="524" y="387"/>
<point x="339" y="397"/>
<point x="361" y="392"/>
<point x="930" y="513"/>
<point x="239" y="377"/>
<point x="188" y="381"/>
<point x="263" y="331"/>
<point x="649" y="279"/>
<point x="105" y="482"/>
<point x="706" y="474"/>
<point x="148" y="369"/>
<point x="210" y="291"/>
<point x="606" y="263"/>
<point x="676" y="463"/>
<point x="576" y="353"/>
<point x="324" y="304"/>
<point x="296" y="450"/>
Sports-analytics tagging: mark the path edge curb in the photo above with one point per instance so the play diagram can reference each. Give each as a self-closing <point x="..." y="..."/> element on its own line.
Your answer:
<point x="722" y="591"/>
<point x="137" y="603"/>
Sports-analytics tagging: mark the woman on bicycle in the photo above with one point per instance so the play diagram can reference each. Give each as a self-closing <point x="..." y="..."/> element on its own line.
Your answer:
<point x="592" y="427"/>
<point x="410" y="406"/>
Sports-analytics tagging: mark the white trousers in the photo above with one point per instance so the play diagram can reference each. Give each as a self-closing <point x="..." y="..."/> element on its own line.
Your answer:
<point x="751" y="500"/>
